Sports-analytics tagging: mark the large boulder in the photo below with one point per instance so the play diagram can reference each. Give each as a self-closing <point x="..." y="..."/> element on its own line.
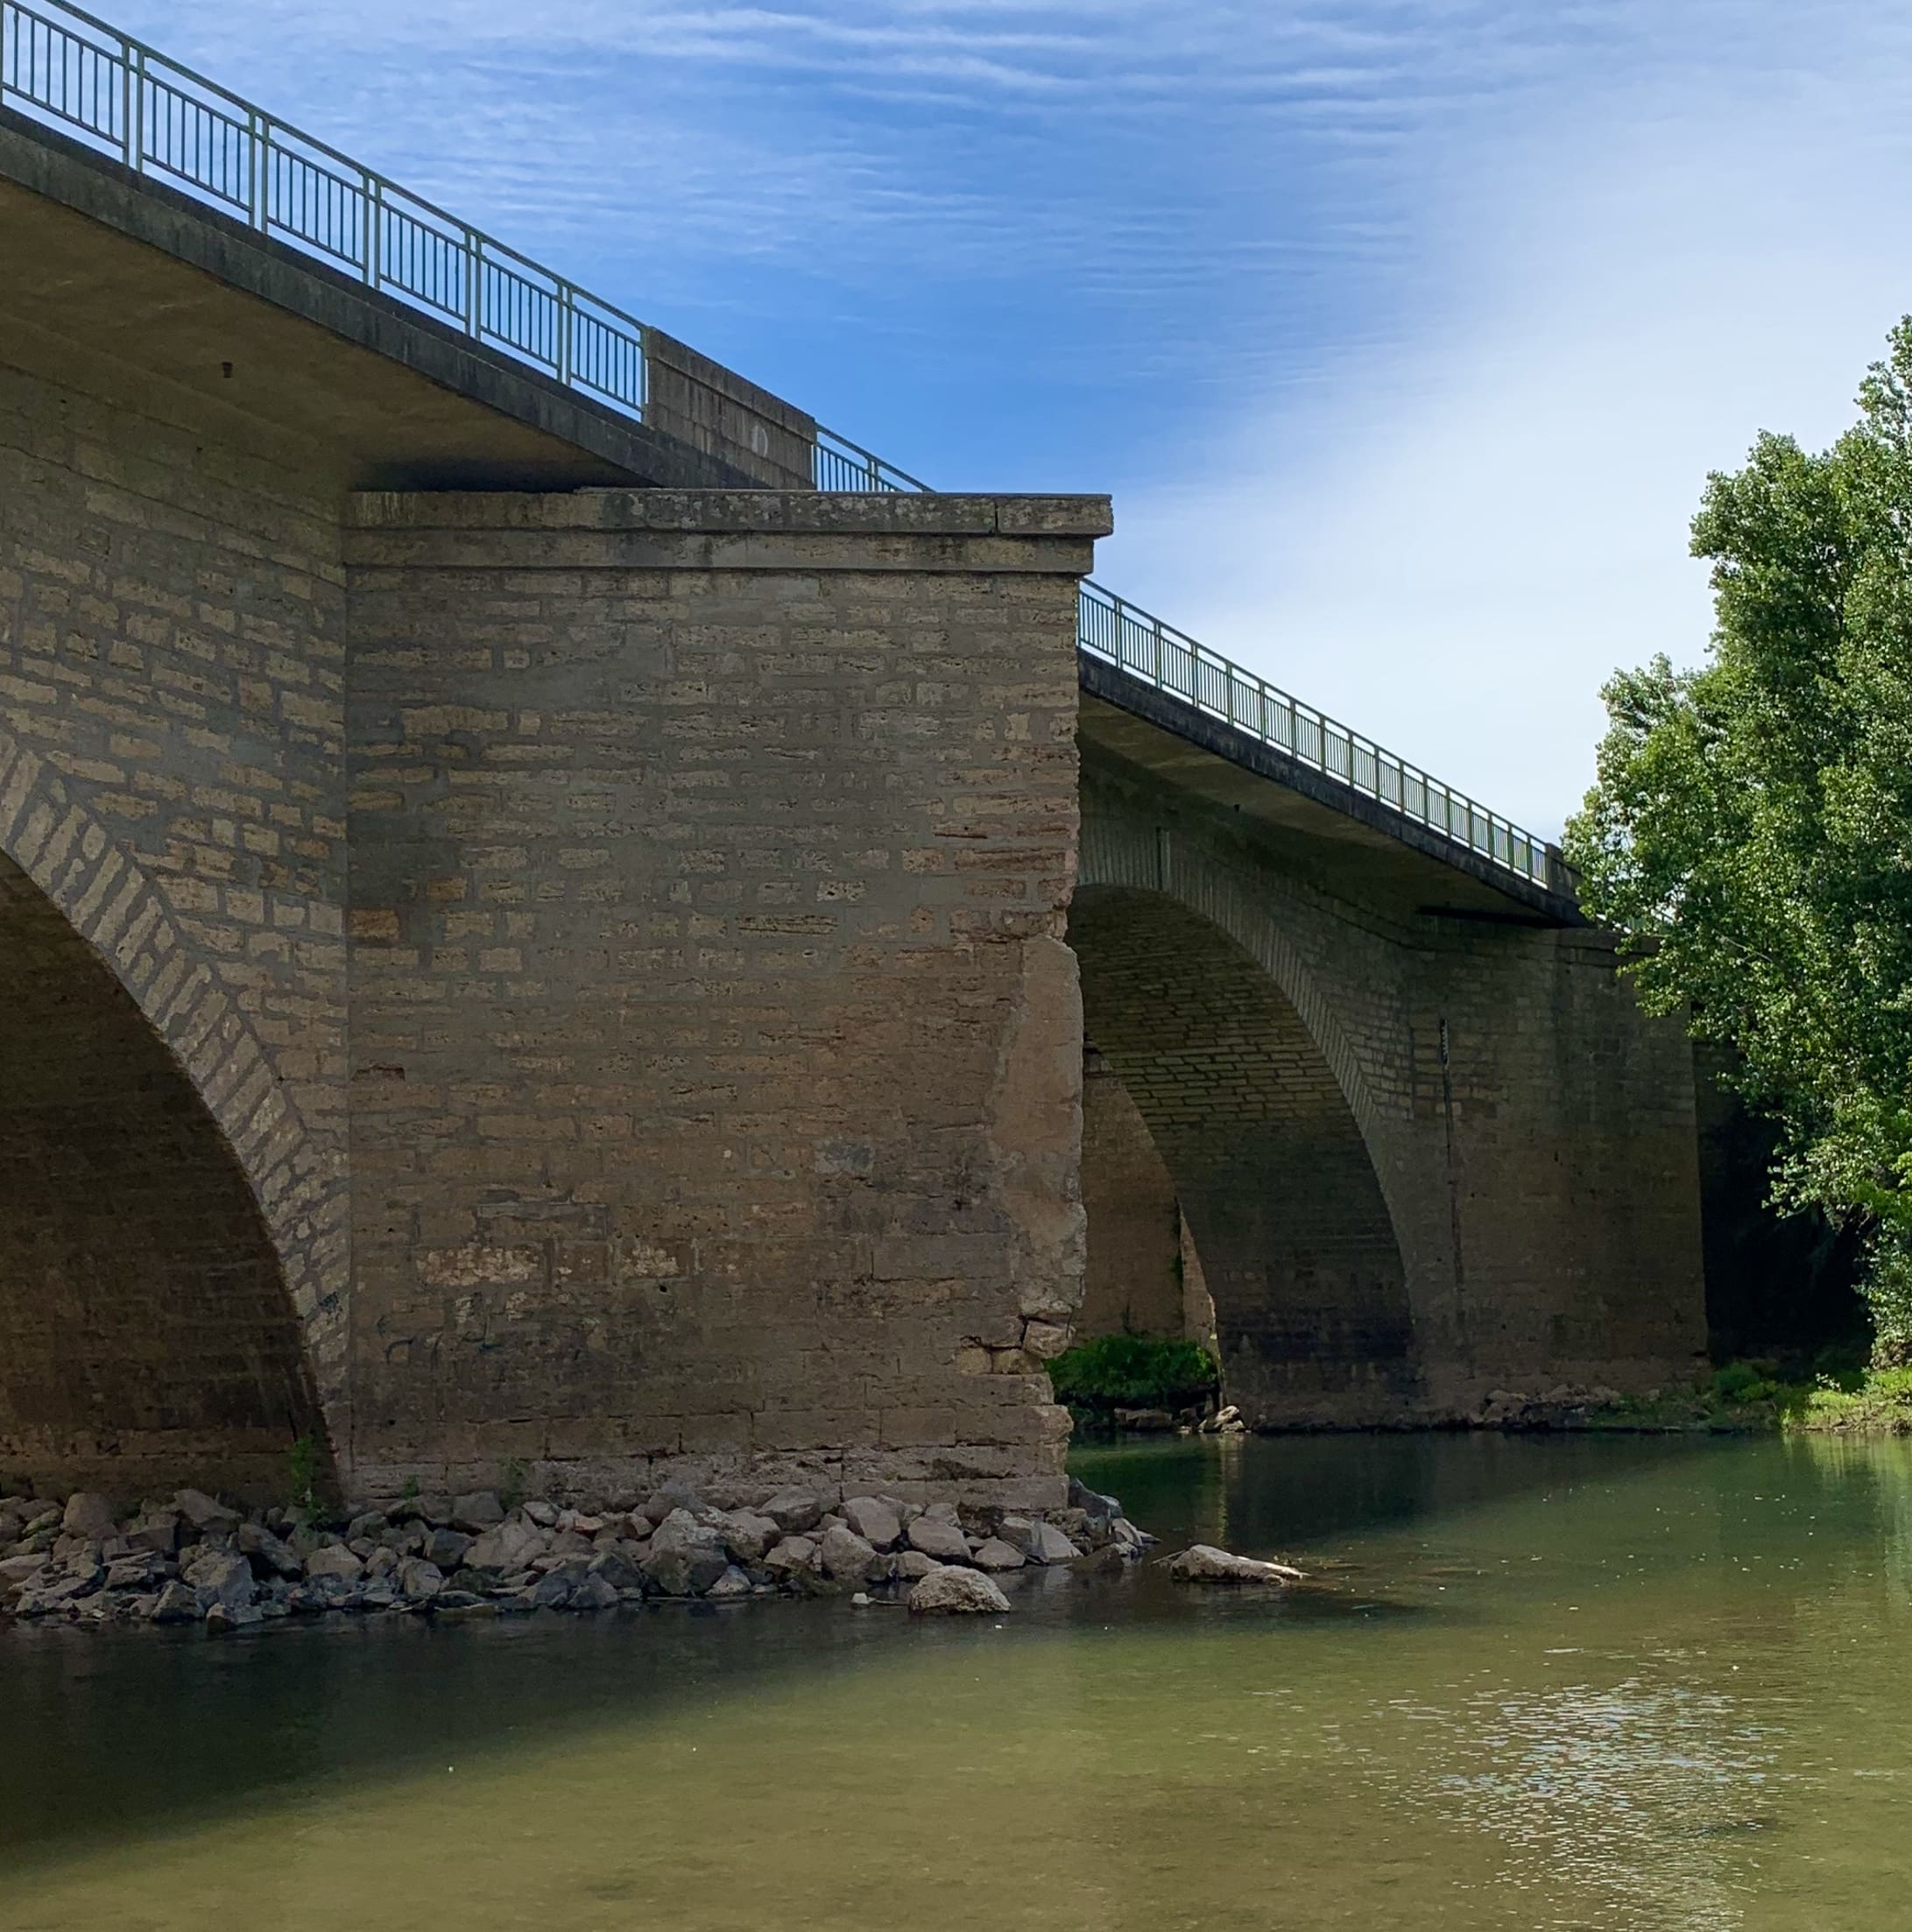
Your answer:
<point x="686" y="1556"/>
<point x="956" y="1592"/>
<point x="945" y="1541"/>
<point x="270" y="1555"/>
<point x="847" y="1558"/>
<point x="89" y="1514"/>
<point x="204" y="1512"/>
<point x="446" y="1548"/>
<point x="745" y="1534"/>
<point x="875" y="1520"/>
<point x="794" y="1511"/>
<point x="1048" y="1545"/>
<point x="419" y="1581"/>
<point x="509" y="1547"/>
<point x="477" y="1510"/>
<point x="593" y="1591"/>
<point x="220" y="1576"/>
<point x="333" y="1559"/>
<point x="157" y="1530"/>
<point x="176" y="1603"/>
<point x="996" y="1554"/>
<point x="617" y="1568"/>
<point x="1203" y="1563"/>
<point x="792" y="1554"/>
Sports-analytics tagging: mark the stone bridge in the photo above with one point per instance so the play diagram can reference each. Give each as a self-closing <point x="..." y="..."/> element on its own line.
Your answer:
<point x="537" y="939"/>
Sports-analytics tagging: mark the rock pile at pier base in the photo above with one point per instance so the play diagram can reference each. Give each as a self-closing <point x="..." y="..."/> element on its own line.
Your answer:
<point x="87" y="1558"/>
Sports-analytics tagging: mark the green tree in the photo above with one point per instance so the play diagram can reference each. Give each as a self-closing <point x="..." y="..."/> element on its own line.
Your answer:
<point x="1751" y="828"/>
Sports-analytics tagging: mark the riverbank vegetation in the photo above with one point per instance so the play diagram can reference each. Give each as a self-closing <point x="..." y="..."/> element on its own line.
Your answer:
<point x="1751" y="830"/>
<point x="1132" y="1372"/>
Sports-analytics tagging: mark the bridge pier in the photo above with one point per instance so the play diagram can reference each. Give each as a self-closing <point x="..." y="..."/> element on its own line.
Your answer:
<point x="716" y="1053"/>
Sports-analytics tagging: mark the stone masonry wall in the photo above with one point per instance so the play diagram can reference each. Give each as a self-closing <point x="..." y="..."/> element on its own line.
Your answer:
<point x="716" y="1051"/>
<point x="1529" y="1130"/>
<point x="1131" y="1279"/>
<point x="171" y="603"/>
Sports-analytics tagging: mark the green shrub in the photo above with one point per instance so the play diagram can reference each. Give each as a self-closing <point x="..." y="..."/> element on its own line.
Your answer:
<point x="1133" y="1371"/>
<point x="1741" y="1382"/>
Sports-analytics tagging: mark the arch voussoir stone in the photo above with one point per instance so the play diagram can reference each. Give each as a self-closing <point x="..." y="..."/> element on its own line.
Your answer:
<point x="122" y="916"/>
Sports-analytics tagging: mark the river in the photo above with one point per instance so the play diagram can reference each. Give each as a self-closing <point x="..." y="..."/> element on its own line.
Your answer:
<point x="1545" y="1683"/>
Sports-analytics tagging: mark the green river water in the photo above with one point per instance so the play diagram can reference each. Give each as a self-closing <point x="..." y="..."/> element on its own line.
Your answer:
<point x="1548" y="1684"/>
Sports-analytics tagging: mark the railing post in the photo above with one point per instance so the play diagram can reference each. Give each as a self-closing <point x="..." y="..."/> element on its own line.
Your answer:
<point x="372" y="242"/>
<point x="135" y="113"/>
<point x="564" y="332"/>
<point x="259" y="185"/>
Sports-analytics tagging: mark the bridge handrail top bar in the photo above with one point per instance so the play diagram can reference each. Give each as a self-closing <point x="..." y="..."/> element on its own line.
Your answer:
<point x="554" y="347"/>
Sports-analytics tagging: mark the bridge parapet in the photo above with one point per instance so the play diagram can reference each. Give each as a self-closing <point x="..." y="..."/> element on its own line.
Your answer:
<point x="162" y="120"/>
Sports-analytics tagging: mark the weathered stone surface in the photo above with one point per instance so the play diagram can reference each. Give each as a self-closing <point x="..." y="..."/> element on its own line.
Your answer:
<point x="16" y="1570"/>
<point x="910" y="1564"/>
<point x="89" y="1514"/>
<point x="477" y="1510"/>
<point x="1048" y="1545"/>
<point x="876" y="1521"/>
<point x="745" y="1534"/>
<point x="176" y="1603"/>
<point x="686" y="1557"/>
<point x="511" y="1546"/>
<point x="220" y="1576"/>
<point x="995" y="1554"/>
<point x="594" y="1591"/>
<point x="204" y="1512"/>
<point x="731" y="1585"/>
<point x="1203" y="1563"/>
<point x="959" y="1592"/>
<point x="333" y="1559"/>
<point x="793" y="1511"/>
<point x="447" y="1547"/>
<point x="419" y="1580"/>
<point x="270" y="1555"/>
<point x="618" y="1569"/>
<point x="793" y="1553"/>
<point x="846" y="1558"/>
<point x="943" y="1541"/>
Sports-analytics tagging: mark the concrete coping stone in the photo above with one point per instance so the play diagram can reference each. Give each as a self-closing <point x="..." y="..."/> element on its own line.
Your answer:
<point x="753" y="511"/>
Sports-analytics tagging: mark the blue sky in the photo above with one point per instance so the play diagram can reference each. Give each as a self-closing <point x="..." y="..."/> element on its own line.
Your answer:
<point x="1404" y="334"/>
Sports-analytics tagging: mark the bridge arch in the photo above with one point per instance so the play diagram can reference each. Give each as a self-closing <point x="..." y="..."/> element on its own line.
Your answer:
<point x="166" y="1231"/>
<point x="1260" y="1110"/>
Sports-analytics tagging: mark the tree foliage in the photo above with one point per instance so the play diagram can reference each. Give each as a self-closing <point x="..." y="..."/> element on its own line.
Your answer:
<point x="1751" y="826"/>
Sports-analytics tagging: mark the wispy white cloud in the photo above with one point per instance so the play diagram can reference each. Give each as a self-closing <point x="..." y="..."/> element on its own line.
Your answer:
<point x="1452" y="537"/>
<point x="1405" y="328"/>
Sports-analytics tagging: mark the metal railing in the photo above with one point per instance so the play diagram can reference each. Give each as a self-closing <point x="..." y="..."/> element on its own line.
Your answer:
<point x="64" y="68"/>
<point x="1110" y="628"/>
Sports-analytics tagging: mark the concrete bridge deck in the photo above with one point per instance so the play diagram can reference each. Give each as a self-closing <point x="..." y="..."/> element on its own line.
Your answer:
<point x="539" y="955"/>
